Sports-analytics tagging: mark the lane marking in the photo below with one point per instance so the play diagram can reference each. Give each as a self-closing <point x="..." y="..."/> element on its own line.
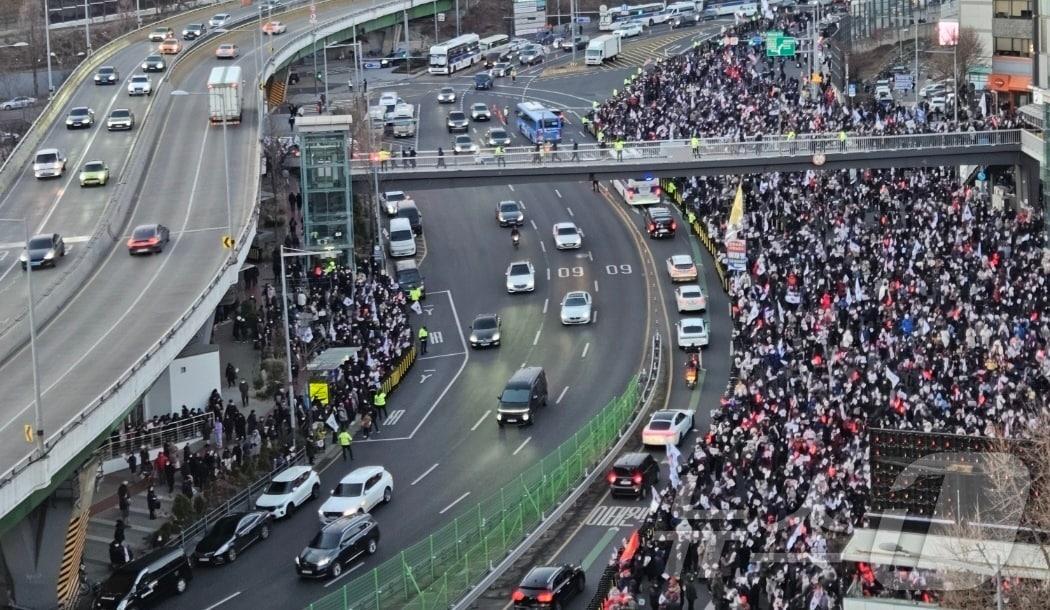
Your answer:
<point x="343" y="575"/>
<point x="463" y="365"/>
<point x="543" y="246"/>
<point x="441" y="355"/>
<point x="558" y="193"/>
<point x="481" y="419"/>
<point x="522" y="205"/>
<point x="570" y="211"/>
<point x="455" y="502"/>
<point x="534" y="227"/>
<point x="545" y="303"/>
<point x="585" y="348"/>
<point x="537" y="338"/>
<point x="596" y="285"/>
<point x="548" y="274"/>
<point x="425" y="473"/>
<point x="522" y="445"/>
<point x="511" y="186"/>
<point x="592" y="556"/>
<point x="223" y="601"/>
<point x="590" y="255"/>
<point x="394" y="417"/>
<point x="594" y="317"/>
<point x="562" y="395"/>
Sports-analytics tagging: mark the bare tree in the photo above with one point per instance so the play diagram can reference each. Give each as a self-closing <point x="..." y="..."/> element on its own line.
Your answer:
<point x="969" y="53"/>
<point x="31" y="20"/>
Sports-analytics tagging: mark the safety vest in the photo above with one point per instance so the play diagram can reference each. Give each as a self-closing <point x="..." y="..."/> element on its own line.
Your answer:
<point x="384" y="155"/>
<point x="842" y="137"/>
<point x="601" y="135"/>
<point x="499" y="151"/>
<point x="791" y="135"/>
<point x="618" y="145"/>
<point x="614" y="92"/>
<point x="670" y="188"/>
<point x="594" y="105"/>
<point x="380" y="399"/>
<point x="415" y="294"/>
<point x="691" y="217"/>
<point x="694" y="142"/>
<point x="423" y="333"/>
<point x="345" y="439"/>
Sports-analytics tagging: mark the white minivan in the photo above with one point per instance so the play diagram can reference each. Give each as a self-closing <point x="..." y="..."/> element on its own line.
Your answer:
<point x="402" y="241"/>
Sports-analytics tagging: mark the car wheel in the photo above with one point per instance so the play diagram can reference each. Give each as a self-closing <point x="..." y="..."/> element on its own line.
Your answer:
<point x="337" y="569"/>
<point x="264" y="533"/>
<point x="387" y="493"/>
<point x="314" y="491"/>
<point x="180" y="585"/>
<point x="372" y="546"/>
<point x="287" y="509"/>
<point x="231" y="555"/>
<point x="581" y="584"/>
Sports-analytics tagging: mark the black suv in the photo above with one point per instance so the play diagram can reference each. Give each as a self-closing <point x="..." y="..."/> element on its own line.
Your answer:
<point x="153" y="63"/>
<point x="633" y="474"/>
<point x="457" y="121"/>
<point x="336" y="545"/>
<point x="659" y="222"/>
<point x="145" y="580"/>
<point x="549" y="587"/>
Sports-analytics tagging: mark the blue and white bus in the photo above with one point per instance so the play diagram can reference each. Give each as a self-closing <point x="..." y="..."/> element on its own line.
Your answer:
<point x="728" y="8"/>
<point x="460" y="52"/>
<point x="537" y="123"/>
<point x="610" y="18"/>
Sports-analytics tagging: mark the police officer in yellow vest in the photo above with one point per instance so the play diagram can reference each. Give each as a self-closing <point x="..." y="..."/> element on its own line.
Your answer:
<point x="415" y="294"/>
<point x="690" y="216"/>
<point x="842" y="139"/>
<point x="694" y="143"/>
<point x="500" y="160"/>
<point x="618" y="147"/>
<point x="379" y="401"/>
<point x="345" y="439"/>
<point x="423" y="334"/>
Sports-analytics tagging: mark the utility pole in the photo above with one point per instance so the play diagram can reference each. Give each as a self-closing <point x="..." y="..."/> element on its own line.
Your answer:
<point x="572" y="28"/>
<point x="87" y="28"/>
<point x="915" y="83"/>
<point x="288" y="346"/>
<point x="457" y="17"/>
<point x="47" y="42"/>
<point x="408" y="46"/>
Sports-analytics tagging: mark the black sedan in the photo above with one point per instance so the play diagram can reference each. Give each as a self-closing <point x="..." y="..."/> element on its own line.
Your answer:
<point x="232" y="534"/>
<point x="81" y="116"/>
<point x="43" y="250"/>
<point x="485" y="330"/>
<point x="154" y="63"/>
<point x="549" y="587"/>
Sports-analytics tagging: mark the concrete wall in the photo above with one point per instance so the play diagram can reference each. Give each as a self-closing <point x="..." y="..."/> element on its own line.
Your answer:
<point x="188" y="380"/>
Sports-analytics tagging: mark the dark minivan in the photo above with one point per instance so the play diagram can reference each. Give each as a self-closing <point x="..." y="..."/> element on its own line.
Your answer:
<point x="337" y="544"/>
<point x="525" y="392"/>
<point x="409" y="211"/>
<point x="483" y="80"/>
<point x="145" y="580"/>
<point x="633" y="474"/>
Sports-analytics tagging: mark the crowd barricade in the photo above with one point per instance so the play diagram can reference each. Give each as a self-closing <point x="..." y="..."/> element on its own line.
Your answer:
<point x="400" y="370"/>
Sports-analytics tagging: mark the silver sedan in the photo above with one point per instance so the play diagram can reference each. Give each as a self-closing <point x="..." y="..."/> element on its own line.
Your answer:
<point x="576" y="308"/>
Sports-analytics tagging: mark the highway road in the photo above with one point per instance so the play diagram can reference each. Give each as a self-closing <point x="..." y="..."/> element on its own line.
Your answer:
<point x="126" y="304"/>
<point x="443" y="446"/>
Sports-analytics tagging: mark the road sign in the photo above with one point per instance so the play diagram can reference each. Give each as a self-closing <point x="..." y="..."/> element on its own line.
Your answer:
<point x="372" y="65"/>
<point x="227" y="241"/>
<point x="583" y="19"/>
<point x="981" y="176"/>
<point x="28" y="431"/>
<point x="441" y="17"/>
<point x="902" y="82"/>
<point x="852" y="90"/>
<point x="781" y="46"/>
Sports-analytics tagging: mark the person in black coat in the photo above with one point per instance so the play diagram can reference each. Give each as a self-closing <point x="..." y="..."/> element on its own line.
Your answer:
<point x="119" y="554"/>
<point x="124" y="501"/>
<point x="152" y="503"/>
<point x="689" y="591"/>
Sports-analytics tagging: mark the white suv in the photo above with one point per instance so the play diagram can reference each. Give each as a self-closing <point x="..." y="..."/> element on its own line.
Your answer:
<point x="292" y="488"/>
<point x="358" y="492"/>
<point x="140" y="84"/>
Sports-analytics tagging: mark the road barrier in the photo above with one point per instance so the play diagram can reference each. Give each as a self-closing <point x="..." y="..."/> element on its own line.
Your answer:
<point x="437" y="571"/>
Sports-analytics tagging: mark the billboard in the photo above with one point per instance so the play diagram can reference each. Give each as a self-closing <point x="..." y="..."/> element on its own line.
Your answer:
<point x="530" y="16"/>
<point x="947" y="33"/>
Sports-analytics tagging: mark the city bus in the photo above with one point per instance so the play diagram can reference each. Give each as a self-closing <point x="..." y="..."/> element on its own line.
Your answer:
<point x="729" y="8"/>
<point x="610" y="18"/>
<point x="537" y="123"/>
<point x="460" y="52"/>
<point x="493" y="41"/>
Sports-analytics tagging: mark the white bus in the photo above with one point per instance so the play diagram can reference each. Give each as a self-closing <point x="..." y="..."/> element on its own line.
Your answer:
<point x="493" y="41"/>
<point x="729" y="8"/>
<point x="456" y="54"/>
<point x="646" y="14"/>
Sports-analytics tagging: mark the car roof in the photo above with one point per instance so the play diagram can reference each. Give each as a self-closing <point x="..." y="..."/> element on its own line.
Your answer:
<point x="403" y="265"/>
<point x="562" y="225"/>
<point x="667" y="415"/>
<point x="540" y="576"/>
<point x="690" y="288"/>
<point x="76" y="108"/>
<point x="290" y="473"/>
<point x="485" y="315"/>
<point x="482" y="104"/>
<point x="512" y="263"/>
<point x="636" y="458"/>
<point x="43" y="236"/>
<point x="151" y="226"/>
<point x="658" y="210"/>
<point x="359" y="475"/>
<point x="342" y="523"/>
<point x="692" y="322"/>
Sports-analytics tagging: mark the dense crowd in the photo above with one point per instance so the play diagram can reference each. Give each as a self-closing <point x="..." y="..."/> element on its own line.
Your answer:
<point x="897" y="299"/>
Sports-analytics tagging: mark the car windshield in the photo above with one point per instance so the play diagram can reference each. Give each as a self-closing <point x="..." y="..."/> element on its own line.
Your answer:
<point x="94" y="166"/>
<point x="326" y="539"/>
<point x="278" y="488"/>
<point x="508" y="206"/>
<point x="447" y="90"/>
<point x="394" y="196"/>
<point x="567" y="231"/>
<point x="139" y="79"/>
<point x="575" y="301"/>
<point x="515" y="395"/>
<point x="683" y="266"/>
<point x="519" y="269"/>
<point x="480" y="107"/>
<point x="484" y="323"/>
<point x="224" y="528"/>
<point x="39" y="243"/>
<point x="693" y="329"/>
<point x="119" y="583"/>
<point x="105" y="70"/>
<point x="456" y="116"/>
<point x="498" y="133"/>
<point x="348" y="490"/>
<point x="46" y="158"/>
<point x="402" y="235"/>
<point x="690" y="293"/>
<point x="463" y="140"/>
<point x="143" y="233"/>
<point x="154" y="59"/>
<point x="408" y="276"/>
<point x="79" y="112"/>
<point x="120" y="114"/>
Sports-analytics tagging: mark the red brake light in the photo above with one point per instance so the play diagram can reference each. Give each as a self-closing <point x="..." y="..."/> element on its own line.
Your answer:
<point x="637" y="478"/>
<point x="656" y="190"/>
<point x="674" y="225"/>
<point x="545" y="598"/>
<point x="652" y="226"/>
<point x="612" y="477"/>
<point x="518" y="595"/>
<point x="153" y="240"/>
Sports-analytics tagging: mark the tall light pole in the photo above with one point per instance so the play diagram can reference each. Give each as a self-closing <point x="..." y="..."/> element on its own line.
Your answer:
<point x="87" y="27"/>
<point x="356" y="77"/>
<point x="225" y="148"/>
<point x="138" y="13"/>
<point x="47" y="42"/>
<point x="38" y="422"/>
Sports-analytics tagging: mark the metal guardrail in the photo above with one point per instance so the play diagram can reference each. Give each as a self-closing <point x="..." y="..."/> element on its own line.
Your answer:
<point x="646" y="153"/>
<point x="183" y="430"/>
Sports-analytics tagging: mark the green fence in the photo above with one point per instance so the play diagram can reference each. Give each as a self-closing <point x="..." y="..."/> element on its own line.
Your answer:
<point x="437" y="571"/>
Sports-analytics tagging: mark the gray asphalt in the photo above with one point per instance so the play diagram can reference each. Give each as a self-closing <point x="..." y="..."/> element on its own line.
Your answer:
<point x="126" y="304"/>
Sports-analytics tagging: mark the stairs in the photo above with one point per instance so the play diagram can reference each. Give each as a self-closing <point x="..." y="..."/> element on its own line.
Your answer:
<point x="137" y="530"/>
<point x="277" y="89"/>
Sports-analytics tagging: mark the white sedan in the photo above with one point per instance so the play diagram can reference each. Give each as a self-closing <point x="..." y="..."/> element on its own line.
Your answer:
<point x="667" y="427"/>
<point x="521" y="277"/>
<point x="692" y="333"/>
<point x="464" y="144"/>
<point x="576" y="308"/>
<point x="681" y="268"/>
<point x="358" y="492"/>
<point x="690" y="298"/>
<point x="567" y="236"/>
<point x="629" y="30"/>
<point x="292" y="488"/>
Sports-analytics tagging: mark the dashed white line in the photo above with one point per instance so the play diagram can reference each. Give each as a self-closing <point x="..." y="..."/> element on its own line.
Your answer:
<point x="562" y="395"/>
<point x="536" y="339"/>
<point x="545" y="303"/>
<point x="594" y="317"/>
<point x="522" y="205"/>
<point x="223" y="601"/>
<point x="548" y="274"/>
<point x="586" y="347"/>
<point x="570" y="211"/>
<point x="454" y="502"/>
<point x="543" y="246"/>
<point x="522" y="445"/>
<point x="425" y="473"/>
<point x="590" y="255"/>
<point x="511" y="187"/>
<point x="481" y="419"/>
<point x="596" y="285"/>
<point x="534" y="227"/>
<point x="558" y="193"/>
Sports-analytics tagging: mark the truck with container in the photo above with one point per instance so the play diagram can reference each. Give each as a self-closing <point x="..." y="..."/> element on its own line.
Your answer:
<point x="225" y="97"/>
<point x="601" y="49"/>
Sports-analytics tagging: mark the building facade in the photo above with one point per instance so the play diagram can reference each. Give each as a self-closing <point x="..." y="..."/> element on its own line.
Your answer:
<point x="1007" y="31"/>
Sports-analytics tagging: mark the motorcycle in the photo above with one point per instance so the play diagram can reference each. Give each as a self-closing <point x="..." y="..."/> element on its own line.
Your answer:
<point x="692" y="371"/>
<point x="515" y="239"/>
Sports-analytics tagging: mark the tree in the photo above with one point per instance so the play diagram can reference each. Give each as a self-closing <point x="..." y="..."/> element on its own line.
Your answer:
<point x="31" y="21"/>
<point x="969" y="54"/>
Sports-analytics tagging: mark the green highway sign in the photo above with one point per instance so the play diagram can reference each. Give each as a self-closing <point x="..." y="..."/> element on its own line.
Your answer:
<point x="778" y="45"/>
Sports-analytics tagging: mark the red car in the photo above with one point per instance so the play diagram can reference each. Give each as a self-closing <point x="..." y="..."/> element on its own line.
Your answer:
<point x="148" y="239"/>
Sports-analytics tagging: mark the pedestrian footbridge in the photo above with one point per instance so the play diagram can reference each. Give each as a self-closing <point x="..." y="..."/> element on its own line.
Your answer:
<point x="714" y="156"/>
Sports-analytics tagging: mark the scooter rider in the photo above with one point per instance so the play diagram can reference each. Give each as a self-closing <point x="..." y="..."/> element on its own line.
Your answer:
<point x="515" y="236"/>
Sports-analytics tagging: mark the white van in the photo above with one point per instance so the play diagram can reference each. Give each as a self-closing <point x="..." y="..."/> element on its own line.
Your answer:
<point x="401" y="240"/>
<point x="686" y="10"/>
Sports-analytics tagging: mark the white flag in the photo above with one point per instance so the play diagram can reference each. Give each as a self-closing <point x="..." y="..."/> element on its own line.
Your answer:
<point x="673" y="477"/>
<point x="984" y="105"/>
<point x="894" y="380"/>
<point x="331" y="423"/>
<point x="673" y="455"/>
<point x="416" y="307"/>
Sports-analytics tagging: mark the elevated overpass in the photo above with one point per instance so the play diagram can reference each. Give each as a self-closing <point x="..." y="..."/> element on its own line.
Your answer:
<point x="110" y="324"/>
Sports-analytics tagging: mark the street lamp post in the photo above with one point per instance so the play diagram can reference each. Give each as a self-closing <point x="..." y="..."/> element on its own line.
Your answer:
<point x="38" y="422"/>
<point x="47" y="42"/>
<point x="87" y="27"/>
<point x="357" y="52"/>
<point x="225" y="149"/>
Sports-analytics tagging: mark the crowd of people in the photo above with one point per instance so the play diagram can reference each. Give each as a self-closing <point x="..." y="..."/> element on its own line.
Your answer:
<point x="901" y="299"/>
